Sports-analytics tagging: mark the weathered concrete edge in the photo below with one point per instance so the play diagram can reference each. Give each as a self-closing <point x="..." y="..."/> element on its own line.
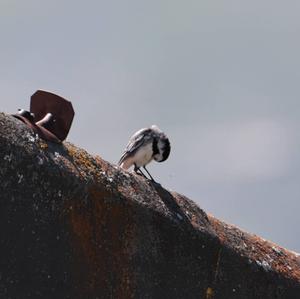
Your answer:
<point x="262" y="253"/>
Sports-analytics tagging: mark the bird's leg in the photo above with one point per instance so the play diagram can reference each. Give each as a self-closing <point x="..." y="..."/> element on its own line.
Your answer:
<point x="138" y="171"/>
<point x="149" y="173"/>
<point x="143" y="174"/>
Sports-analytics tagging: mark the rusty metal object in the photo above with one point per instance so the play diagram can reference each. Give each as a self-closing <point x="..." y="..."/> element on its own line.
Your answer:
<point x="26" y="117"/>
<point x="40" y="130"/>
<point x="47" y="121"/>
<point x="27" y="114"/>
<point x="50" y="116"/>
<point x="44" y="102"/>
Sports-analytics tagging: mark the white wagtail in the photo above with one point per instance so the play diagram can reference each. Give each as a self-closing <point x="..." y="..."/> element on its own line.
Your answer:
<point x="145" y="145"/>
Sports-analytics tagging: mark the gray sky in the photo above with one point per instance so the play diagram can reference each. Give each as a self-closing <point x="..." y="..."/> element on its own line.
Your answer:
<point x="221" y="78"/>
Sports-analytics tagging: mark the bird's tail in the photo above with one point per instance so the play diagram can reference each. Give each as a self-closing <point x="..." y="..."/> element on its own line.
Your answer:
<point x="122" y="159"/>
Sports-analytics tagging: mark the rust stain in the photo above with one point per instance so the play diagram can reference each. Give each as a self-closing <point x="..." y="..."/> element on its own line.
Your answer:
<point x="209" y="293"/>
<point x="103" y="233"/>
<point x="218" y="265"/>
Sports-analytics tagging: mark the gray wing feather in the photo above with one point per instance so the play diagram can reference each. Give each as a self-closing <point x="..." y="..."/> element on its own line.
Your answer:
<point x="139" y="139"/>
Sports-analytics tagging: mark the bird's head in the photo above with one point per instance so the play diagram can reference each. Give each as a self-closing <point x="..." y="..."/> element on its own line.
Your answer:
<point x="164" y="148"/>
<point x="156" y="129"/>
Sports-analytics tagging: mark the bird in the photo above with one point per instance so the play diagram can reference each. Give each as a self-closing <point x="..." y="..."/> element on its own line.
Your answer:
<point x="144" y="146"/>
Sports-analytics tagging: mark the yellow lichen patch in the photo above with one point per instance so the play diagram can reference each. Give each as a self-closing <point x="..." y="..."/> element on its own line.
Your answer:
<point x="43" y="145"/>
<point x="209" y="293"/>
<point x="82" y="159"/>
<point x="101" y="162"/>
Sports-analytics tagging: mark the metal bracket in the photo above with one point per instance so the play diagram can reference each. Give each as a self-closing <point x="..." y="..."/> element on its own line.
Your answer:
<point x="50" y="116"/>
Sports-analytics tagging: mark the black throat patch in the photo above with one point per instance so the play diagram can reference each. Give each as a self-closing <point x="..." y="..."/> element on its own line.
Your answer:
<point x="167" y="149"/>
<point x="155" y="147"/>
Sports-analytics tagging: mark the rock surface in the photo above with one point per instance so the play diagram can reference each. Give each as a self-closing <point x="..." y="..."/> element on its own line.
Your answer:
<point x="76" y="226"/>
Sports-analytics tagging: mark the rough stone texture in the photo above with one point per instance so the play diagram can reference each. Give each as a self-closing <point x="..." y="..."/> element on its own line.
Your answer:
<point x="74" y="226"/>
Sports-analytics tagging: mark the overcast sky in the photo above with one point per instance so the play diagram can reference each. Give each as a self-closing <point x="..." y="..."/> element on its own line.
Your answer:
<point x="221" y="78"/>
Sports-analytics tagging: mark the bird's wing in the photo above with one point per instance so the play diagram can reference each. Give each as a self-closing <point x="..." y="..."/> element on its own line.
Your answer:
<point x="139" y="139"/>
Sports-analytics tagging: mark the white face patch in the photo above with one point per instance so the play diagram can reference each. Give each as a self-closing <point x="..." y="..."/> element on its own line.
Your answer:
<point x="160" y="145"/>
